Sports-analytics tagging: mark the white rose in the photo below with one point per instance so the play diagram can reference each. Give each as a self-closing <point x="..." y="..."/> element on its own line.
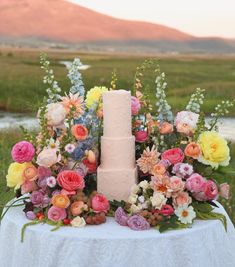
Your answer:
<point x="56" y="114"/>
<point x="78" y="222"/>
<point x="135" y="189"/>
<point x="158" y="200"/>
<point x="48" y="157"/>
<point x="144" y="184"/>
<point x="132" y="198"/>
<point x="135" y="208"/>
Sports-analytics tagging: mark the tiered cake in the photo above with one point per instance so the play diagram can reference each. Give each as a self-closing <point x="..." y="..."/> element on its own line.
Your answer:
<point x="117" y="172"/>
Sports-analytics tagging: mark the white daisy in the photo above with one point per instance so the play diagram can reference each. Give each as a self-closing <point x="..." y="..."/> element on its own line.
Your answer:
<point x="186" y="214"/>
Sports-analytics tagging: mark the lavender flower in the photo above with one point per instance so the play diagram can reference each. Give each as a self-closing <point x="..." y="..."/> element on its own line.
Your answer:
<point x="42" y="183"/>
<point x="51" y="181"/>
<point x="69" y="148"/>
<point x="37" y="198"/>
<point x="183" y="170"/>
<point x="138" y="223"/>
<point x="121" y="217"/>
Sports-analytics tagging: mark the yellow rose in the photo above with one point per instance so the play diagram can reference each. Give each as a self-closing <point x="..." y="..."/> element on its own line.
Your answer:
<point x="215" y="150"/>
<point x="16" y="176"/>
<point x="94" y="96"/>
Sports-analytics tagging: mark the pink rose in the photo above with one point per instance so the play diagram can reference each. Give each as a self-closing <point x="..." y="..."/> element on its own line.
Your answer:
<point x="211" y="190"/>
<point x="135" y="106"/>
<point x="70" y="180"/>
<point x="167" y="210"/>
<point x="182" y="198"/>
<point x="48" y="157"/>
<point x="28" y="187"/>
<point x="224" y="190"/>
<point x="195" y="183"/>
<point x="100" y="203"/>
<point x="23" y="152"/>
<point x="141" y="136"/>
<point x="174" y="155"/>
<point x="176" y="185"/>
<point x="56" y="214"/>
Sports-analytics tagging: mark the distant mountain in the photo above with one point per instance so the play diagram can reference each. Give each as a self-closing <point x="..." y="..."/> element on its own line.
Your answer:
<point x="58" y="22"/>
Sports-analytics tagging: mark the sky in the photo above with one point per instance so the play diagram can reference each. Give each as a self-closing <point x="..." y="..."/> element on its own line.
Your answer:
<point x="197" y="17"/>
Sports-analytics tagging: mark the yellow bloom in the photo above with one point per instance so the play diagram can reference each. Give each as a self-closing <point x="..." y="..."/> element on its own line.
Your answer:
<point x="215" y="150"/>
<point x="16" y="177"/>
<point x="94" y="96"/>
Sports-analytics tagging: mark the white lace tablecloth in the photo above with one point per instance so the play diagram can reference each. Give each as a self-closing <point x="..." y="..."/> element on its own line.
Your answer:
<point x="206" y="244"/>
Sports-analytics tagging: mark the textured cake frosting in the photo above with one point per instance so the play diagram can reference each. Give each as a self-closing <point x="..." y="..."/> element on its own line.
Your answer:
<point x="117" y="172"/>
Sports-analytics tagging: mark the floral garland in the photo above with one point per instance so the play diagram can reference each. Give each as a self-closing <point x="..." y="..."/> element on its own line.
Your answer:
<point x="54" y="172"/>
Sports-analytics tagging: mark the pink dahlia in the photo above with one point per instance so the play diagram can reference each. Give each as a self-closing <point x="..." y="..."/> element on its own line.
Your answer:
<point x="23" y="152"/>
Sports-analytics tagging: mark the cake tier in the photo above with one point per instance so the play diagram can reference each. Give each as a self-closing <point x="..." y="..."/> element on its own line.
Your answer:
<point x="116" y="184"/>
<point x="118" y="152"/>
<point x="117" y="113"/>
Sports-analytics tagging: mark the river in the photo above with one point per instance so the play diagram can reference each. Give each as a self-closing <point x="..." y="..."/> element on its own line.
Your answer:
<point x="14" y="120"/>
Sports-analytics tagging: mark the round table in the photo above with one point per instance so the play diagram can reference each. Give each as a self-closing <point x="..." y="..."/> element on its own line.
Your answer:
<point x="206" y="244"/>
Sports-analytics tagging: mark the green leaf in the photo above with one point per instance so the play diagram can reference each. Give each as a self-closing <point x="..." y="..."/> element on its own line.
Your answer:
<point x="25" y="226"/>
<point x="203" y="207"/>
<point x="212" y="216"/>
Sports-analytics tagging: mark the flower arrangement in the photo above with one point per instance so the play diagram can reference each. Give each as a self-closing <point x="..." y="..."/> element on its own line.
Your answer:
<point x="178" y="159"/>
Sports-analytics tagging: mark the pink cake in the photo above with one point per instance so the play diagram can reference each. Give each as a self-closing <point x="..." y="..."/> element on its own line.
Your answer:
<point x="117" y="172"/>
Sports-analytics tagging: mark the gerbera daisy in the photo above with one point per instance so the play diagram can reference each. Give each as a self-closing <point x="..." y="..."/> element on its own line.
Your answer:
<point x="73" y="102"/>
<point x="148" y="159"/>
<point x="186" y="214"/>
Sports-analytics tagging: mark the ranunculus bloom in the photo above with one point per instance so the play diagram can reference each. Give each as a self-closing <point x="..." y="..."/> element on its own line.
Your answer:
<point x="56" y="214"/>
<point x="135" y="106"/>
<point x="211" y="190"/>
<point x="60" y="201"/>
<point x="92" y="167"/>
<point x="141" y="136"/>
<point x="167" y="210"/>
<point x="182" y="198"/>
<point x="165" y="128"/>
<point x="70" y="180"/>
<point x="23" y="152"/>
<point x="176" y="185"/>
<point x="186" y="122"/>
<point x="121" y="217"/>
<point x="159" y="169"/>
<point x="55" y="114"/>
<point x="15" y="177"/>
<point x="192" y="150"/>
<point x="77" y="208"/>
<point x="195" y="183"/>
<point x="215" y="150"/>
<point x="28" y="187"/>
<point x="138" y="223"/>
<point x="99" y="203"/>
<point x="224" y="190"/>
<point x="48" y="157"/>
<point x="37" y="198"/>
<point x="79" y="131"/>
<point x="174" y="155"/>
<point x="31" y="173"/>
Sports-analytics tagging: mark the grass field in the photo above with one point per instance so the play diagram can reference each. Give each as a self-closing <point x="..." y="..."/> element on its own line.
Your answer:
<point x="21" y="88"/>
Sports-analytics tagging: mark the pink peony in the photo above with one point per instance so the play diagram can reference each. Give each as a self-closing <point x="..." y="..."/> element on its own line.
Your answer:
<point x="211" y="190"/>
<point x="195" y="183"/>
<point x="181" y="199"/>
<point x="23" y="152"/>
<point x="99" y="203"/>
<point x="167" y="210"/>
<point x="56" y="214"/>
<point x="224" y="190"/>
<point x="141" y="136"/>
<point x="174" y="155"/>
<point x="176" y="185"/>
<point x="28" y="186"/>
<point x="135" y="106"/>
<point x="70" y="180"/>
<point x="48" y="157"/>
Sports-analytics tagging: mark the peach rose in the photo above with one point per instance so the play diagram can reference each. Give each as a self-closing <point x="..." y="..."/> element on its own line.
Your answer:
<point x="77" y="208"/>
<point x="165" y="128"/>
<point x="159" y="169"/>
<point x="182" y="199"/>
<point x="79" y="131"/>
<point x="192" y="150"/>
<point x="176" y="185"/>
<point x="60" y="201"/>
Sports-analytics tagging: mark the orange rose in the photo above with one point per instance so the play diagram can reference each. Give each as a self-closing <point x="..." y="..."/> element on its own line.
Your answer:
<point x="192" y="150"/>
<point x="165" y="128"/>
<point x="158" y="169"/>
<point x="79" y="131"/>
<point x="60" y="201"/>
<point x="77" y="208"/>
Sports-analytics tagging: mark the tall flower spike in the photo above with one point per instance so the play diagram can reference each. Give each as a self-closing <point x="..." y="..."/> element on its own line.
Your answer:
<point x="76" y="78"/>
<point x="196" y="100"/>
<point x="164" y="109"/>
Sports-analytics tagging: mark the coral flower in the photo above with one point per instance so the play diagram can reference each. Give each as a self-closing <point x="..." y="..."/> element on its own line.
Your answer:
<point x="60" y="201"/>
<point x="74" y="103"/>
<point x="148" y="160"/>
<point x="70" y="180"/>
<point x="77" y="208"/>
<point x="159" y="169"/>
<point x="79" y="131"/>
<point x="165" y="128"/>
<point x="192" y="150"/>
